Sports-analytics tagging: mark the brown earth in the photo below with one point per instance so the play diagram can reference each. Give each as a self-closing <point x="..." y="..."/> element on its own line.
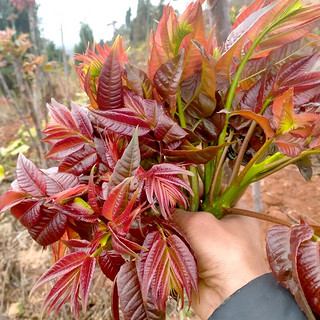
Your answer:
<point x="285" y="194"/>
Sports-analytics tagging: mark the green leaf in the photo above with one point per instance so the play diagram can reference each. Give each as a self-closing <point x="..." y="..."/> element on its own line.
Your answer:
<point x="2" y="175"/>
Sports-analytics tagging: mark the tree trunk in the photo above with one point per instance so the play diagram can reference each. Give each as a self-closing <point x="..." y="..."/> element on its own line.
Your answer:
<point x="20" y="113"/>
<point x="220" y="17"/>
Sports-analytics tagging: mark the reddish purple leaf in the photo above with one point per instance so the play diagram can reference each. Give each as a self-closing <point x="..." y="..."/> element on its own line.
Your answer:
<point x="49" y="228"/>
<point x="85" y="280"/>
<point x="138" y="81"/>
<point x="58" y="181"/>
<point x="110" y="262"/>
<point x="115" y="302"/>
<point x="132" y="304"/>
<point x="62" y="267"/>
<point x="62" y="116"/>
<point x="167" y="264"/>
<point x="282" y="249"/>
<point x="290" y="145"/>
<point x="80" y="161"/>
<point x="166" y="80"/>
<point x="122" y="121"/>
<point x="78" y="209"/>
<point x="59" y="293"/>
<point x="30" y="178"/>
<point x="28" y="212"/>
<point x="191" y="154"/>
<point x="65" y="147"/>
<point x="93" y="193"/>
<point x="113" y="202"/>
<point x="110" y="92"/>
<point x="308" y="268"/>
<point x="81" y="117"/>
<point x="168" y="131"/>
<point x="122" y="245"/>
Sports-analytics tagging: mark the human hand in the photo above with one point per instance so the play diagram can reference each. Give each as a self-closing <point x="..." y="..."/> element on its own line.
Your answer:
<point x="229" y="253"/>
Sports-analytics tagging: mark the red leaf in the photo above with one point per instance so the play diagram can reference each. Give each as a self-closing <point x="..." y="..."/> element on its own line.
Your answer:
<point x="132" y="304"/>
<point x="184" y="261"/>
<point x="80" y="161"/>
<point x="110" y="95"/>
<point x="253" y="7"/>
<point x="62" y="267"/>
<point x="10" y="199"/>
<point x="110" y="262"/>
<point x="49" y="228"/>
<point x="85" y="280"/>
<point x="153" y="262"/>
<point x="65" y="147"/>
<point x="162" y="183"/>
<point x="114" y="199"/>
<point x="115" y="302"/>
<point x="163" y="38"/>
<point x="262" y="121"/>
<point x="28" y="212"/>
<point x="192" y="21"/>
<point x="167" y="264"/>
<point x="59" y="293"/>
<point x="79" y="210"/>
<point x="68" y="194"/>
<point x="122" y="245"/>
<point x="30" y="178"/>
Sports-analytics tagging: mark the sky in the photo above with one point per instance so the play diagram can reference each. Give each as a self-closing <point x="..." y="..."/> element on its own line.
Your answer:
<point x="96" y="13"/>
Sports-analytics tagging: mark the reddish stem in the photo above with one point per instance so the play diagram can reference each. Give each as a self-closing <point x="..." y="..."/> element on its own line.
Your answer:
<point x="261" y="216"/>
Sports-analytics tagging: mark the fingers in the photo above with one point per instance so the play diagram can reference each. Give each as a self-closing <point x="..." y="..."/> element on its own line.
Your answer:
<point x="195" y="223"/>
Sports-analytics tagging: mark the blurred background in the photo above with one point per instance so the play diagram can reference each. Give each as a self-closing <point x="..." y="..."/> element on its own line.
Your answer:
<point x="37" y="43"/>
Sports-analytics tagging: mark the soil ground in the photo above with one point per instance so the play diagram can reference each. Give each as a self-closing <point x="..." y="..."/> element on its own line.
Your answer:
<point x="285" y="194"/>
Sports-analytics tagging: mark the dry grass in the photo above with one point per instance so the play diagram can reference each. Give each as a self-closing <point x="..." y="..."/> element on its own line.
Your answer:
<point x="22" y="262"/>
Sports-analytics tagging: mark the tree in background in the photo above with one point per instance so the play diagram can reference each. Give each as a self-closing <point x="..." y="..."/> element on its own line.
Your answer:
<point x="86" y="37"/>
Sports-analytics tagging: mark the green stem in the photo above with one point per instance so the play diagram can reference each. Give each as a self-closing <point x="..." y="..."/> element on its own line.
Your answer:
<point x="255" y="159"/>
<point x="96" y="253"/>
<point x="182" y="119"/>
<point x="194" y="201"/>
<point x="245" y="143"/>
<point x="215" y="186"/>
<point x="233" y="88"/>
<point x="282" y="163"/>
<point x="242" y="152"/>
<point x="208" y="176"/>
